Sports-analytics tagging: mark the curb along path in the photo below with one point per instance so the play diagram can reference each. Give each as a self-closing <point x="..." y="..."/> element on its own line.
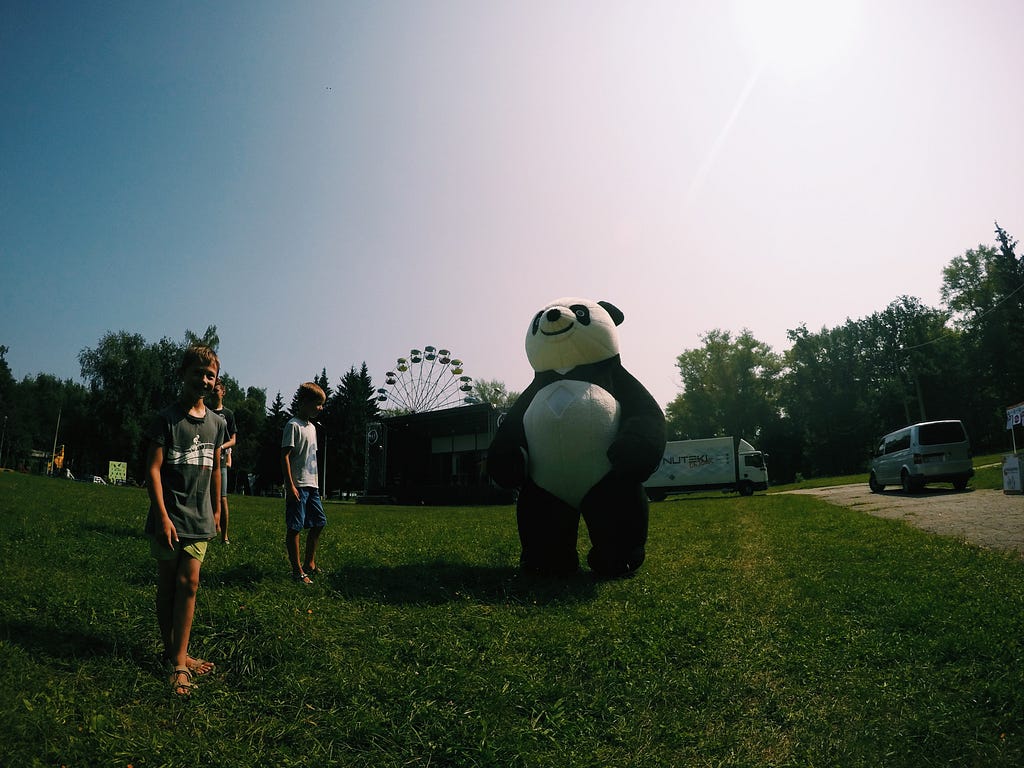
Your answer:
<point x="985" y="517"/>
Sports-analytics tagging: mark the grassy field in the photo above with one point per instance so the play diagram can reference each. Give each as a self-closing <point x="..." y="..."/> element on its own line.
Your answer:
<point x="774" y="630"/>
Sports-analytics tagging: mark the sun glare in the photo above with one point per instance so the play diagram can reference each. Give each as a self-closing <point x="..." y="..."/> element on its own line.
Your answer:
<point x="798" y="38"/>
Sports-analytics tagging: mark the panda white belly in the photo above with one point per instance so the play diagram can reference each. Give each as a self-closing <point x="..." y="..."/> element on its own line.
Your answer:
<point x="569" y="426"/>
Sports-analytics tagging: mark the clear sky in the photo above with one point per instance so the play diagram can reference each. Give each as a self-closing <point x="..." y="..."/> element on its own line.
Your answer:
<point x="338" y="182"/>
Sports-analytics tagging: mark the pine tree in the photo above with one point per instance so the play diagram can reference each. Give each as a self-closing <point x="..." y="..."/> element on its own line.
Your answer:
<point x="268" y="465"/>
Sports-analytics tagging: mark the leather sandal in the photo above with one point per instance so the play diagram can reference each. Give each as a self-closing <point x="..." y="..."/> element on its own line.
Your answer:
<point x="181" y="682"/>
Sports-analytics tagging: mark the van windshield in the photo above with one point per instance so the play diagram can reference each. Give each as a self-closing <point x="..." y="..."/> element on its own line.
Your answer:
<point x="941" y="432"/>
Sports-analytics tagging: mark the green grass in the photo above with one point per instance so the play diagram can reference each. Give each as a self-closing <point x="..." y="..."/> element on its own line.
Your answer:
<point x="762" y="631"/>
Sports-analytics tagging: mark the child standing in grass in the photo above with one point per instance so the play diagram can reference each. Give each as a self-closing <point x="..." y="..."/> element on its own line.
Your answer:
<point x="216" y="402"/>
<point x="303" y="508"/>
<point x="183" y="469"/>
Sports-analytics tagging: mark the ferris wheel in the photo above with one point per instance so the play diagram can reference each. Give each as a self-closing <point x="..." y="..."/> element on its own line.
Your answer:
<point x="426" y="380"/>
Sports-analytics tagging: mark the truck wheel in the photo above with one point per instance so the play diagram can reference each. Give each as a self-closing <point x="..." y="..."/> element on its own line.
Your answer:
<point x="746" y="489"/>
<point x="960" y="483"/>
<point x="655" y="495"/>
<point x="874" y="485"/>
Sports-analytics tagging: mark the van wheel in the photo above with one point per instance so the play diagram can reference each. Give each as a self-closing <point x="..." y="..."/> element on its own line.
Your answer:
<point x="908" y="485"/>
<point x="874" y="485"/>
<point x="960" y="484"/>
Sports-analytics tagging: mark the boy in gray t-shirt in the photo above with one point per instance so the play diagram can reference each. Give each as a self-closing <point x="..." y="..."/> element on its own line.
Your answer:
<point x="183" y="470"/>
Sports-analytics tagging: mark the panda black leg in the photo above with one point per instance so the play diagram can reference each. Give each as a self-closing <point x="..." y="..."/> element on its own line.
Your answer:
<point x="548" y="528"/>
<point x="616" y="514"/>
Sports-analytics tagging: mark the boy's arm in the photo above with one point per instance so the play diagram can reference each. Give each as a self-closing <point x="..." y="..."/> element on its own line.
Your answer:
<point x="154" y="460"/>
<point x="228" y="444"/>
<point x="215" y="489"/>
<point x="286" y="467"/>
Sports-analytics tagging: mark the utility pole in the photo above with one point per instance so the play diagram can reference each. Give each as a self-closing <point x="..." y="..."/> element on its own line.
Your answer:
<point x="53" y="453"/>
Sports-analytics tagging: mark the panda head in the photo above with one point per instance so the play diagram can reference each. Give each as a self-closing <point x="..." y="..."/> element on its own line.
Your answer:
<point x="572" y="331"/>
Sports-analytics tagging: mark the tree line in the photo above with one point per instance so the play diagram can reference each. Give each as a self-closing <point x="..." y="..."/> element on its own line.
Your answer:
<point x="816" y="408"/>
<point x="128" y="379"/>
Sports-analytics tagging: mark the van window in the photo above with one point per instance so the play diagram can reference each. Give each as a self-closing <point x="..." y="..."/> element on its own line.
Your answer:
<point x="753" y="460"/>
<point x="941" y="432"/>
<point x="900" y="443"/>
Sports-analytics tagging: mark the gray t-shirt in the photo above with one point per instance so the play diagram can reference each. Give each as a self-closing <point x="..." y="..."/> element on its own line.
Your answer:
<point x="189" y="444"/>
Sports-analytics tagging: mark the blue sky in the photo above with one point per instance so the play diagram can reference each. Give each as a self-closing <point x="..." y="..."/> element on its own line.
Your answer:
<point x="338" y="182"/>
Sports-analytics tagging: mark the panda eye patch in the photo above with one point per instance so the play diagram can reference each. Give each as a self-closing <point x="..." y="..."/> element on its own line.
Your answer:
<point x="582" y="313"/>
<point x="536" y="324"/>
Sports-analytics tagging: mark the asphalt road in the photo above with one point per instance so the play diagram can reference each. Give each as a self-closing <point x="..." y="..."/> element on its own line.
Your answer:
<point x="984" y="517"/>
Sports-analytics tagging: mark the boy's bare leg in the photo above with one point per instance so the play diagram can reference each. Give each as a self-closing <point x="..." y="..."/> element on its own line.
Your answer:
<point x="312" y="539"/>
<point x="167" y="574"/>
<point x="178" y="582"/>
<point x="291" y="546"/>
<point x="223" y="518"/>
<point x="187" y="584"/>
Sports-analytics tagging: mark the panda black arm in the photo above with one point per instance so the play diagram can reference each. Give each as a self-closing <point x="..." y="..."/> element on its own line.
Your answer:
<point x="506" y="460"/>
<point x="640" y="443"/>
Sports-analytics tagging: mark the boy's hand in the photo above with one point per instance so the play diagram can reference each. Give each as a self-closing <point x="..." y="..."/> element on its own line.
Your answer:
<point x="294" y="492"/>
<point x="170" y="533"/>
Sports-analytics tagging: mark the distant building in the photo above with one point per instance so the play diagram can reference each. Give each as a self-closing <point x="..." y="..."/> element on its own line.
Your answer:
<point x="434" y="457"/>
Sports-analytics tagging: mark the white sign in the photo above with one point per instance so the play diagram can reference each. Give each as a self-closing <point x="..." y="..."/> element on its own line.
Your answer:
<point x="1014" y="414"/>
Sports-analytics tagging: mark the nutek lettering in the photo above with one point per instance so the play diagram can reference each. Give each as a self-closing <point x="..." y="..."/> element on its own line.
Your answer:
<point x="691" y="461"/>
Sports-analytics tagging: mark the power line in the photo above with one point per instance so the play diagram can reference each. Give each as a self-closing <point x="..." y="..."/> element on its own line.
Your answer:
<point x="983" y="315"/>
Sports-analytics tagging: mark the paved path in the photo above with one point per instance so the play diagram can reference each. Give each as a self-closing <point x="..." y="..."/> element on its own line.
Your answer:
<point x="985" y="517"/>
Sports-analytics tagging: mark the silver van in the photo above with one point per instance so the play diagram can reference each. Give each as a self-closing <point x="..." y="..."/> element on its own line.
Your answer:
<point x="929" y="452"/>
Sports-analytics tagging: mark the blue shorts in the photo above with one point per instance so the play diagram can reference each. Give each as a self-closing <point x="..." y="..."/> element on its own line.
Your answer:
<point x="307" y="512"/>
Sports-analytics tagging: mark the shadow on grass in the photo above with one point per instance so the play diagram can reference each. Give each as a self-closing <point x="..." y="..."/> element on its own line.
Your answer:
<point x="66" y="644"/>
<point x="115" y="531"/>
<point x="442" y="582"/>
<point x="696" y="496"/>
<point x="241" y="575"/>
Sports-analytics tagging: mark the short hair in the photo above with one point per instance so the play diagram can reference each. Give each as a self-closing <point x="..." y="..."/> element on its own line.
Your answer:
<point x="199" y="354"/>
<point x="309" y="392"/>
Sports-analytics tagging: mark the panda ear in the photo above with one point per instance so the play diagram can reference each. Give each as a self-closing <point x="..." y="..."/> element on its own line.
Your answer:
<point x="613" y="311"/>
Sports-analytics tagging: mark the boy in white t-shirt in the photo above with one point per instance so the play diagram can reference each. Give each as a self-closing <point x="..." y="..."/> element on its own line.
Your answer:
<point x="303" y="508"/>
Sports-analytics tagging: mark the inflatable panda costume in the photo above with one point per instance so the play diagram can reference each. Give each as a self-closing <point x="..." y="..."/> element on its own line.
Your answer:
<point x="580" y="440"/>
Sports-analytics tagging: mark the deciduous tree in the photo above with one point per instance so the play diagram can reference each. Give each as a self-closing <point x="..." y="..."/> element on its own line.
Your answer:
<point x="494" y="392"/>
<point x="730" y="387"/>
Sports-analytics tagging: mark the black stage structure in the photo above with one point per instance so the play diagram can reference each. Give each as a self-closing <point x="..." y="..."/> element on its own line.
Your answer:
<point x="434" y="457"/>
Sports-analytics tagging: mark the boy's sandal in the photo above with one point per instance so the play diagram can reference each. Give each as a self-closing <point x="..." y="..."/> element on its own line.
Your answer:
<point x="314" y="571"/>
<point x="302" y="578"/>
<point x="181" y="682"/>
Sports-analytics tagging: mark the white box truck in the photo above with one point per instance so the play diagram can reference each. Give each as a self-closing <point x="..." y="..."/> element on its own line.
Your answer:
<point x="711" y="463"/>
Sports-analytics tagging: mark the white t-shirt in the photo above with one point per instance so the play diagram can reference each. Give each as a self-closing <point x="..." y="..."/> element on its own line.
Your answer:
<point x="300" y="436"/>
